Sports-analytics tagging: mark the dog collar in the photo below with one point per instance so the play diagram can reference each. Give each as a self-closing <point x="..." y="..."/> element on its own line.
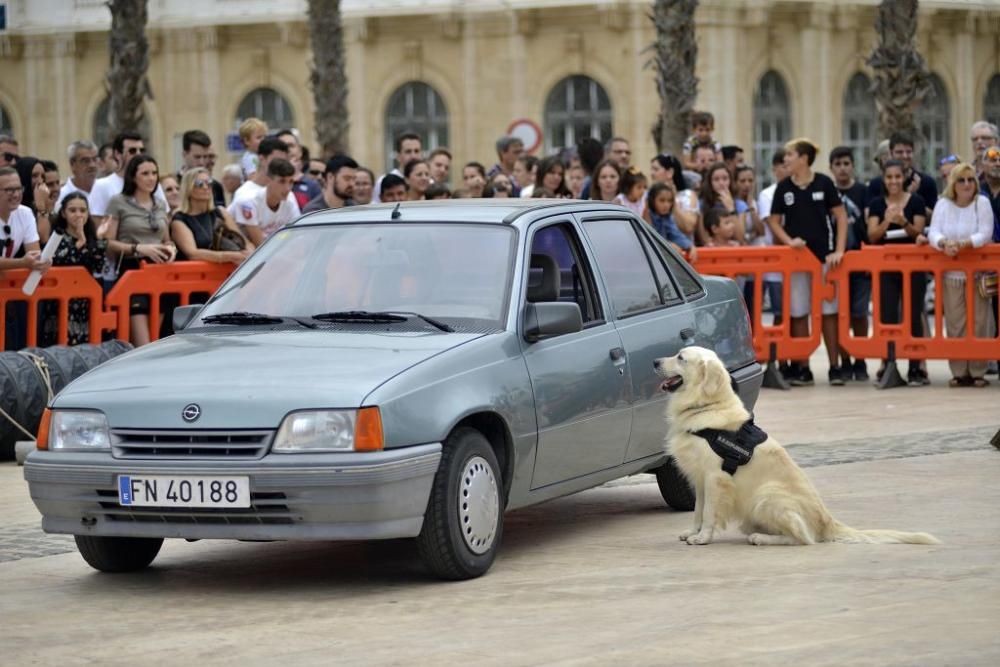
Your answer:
<point x="735" y="448"/>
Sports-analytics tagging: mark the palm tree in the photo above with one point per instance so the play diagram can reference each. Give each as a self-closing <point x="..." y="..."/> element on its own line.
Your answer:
<point x="675" y="53"/>
<point x="126" y="78"/>
<point x="901" y="75"/>
<point x="328" y="77"/>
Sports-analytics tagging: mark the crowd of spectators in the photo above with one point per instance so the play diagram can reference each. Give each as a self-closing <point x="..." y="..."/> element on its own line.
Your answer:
<point x="116" y="208"/>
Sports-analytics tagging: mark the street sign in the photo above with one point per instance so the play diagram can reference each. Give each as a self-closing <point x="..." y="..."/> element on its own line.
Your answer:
<point x="528" y="132"/>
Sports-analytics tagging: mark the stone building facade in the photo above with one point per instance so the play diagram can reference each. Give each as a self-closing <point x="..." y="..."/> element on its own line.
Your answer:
<point x="462" y="71"/>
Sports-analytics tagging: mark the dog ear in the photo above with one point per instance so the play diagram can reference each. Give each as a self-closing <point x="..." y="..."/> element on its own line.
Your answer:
<point x="712" y="379"/>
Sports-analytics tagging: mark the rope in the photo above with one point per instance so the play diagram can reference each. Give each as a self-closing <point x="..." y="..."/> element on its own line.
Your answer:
<point x="14" y="422"/>
<point x="43" y="370"/>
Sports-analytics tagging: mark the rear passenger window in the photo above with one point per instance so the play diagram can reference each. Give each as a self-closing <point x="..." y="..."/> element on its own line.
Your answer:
<point x="668" y="292"/>
<point x="624" y="265"/>
<point x="681" y="272"/>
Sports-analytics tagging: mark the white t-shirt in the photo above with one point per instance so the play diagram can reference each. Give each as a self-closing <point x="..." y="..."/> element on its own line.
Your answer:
<point x="249" y="162"/>
<point x="22" y="229"/>
<point x="248" y="190"/>
<point x="109" y="186"/>
<point x="253" y="211"/>
<point x="69" y="188"/>
<point x="638" y="207"/>
<point x="764" y="200"/>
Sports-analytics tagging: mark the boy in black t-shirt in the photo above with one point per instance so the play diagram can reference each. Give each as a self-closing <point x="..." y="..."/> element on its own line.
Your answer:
<point x="801" y="218"/>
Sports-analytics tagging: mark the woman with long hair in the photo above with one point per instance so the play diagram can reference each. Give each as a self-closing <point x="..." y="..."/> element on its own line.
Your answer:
<point x="962" y="219"/>
<point x="418" y="178"/>
<point x="136" y="229"/>
<point x="79" y="247"/>
<point x="605" y="182"/>
<point x="551" y="175"/>
<point x="717" y="191"/>
<point x="193" y="226"/>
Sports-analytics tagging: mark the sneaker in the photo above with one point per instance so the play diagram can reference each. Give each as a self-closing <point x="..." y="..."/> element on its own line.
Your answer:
<point x="859" y="370"/>
<point x="835" y="376"/>
<point x="803" y="378"/>
<point x="992" y="368"/>
<point x="913" y="377"/>
<point x="788" y="371"/>
<point x="924" y="379"/>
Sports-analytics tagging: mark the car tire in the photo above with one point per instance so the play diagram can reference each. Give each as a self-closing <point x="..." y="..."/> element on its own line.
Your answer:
<point x="463" y="522"/>
<point x="674" y="487"/>
<point x="118" y="554"/>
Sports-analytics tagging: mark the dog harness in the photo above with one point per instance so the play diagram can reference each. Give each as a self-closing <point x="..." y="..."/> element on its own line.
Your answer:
<point x="734" y="447"/>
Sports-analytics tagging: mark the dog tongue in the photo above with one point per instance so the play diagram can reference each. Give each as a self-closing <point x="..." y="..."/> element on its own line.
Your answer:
<point x="672" y="384"/>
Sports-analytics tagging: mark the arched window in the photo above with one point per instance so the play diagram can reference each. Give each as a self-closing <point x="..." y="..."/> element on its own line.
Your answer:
<point x="5" y="125"/>
<point x="102" y="131"/>
<point x="991" y="101"/>
<point x="576" y="107"/>
<point x="934" y="124"/>
<point x="772" y="123"/>
<point x="860" y="124"/>
<point x="415" y="107"/>
<point x="268" y="105"/>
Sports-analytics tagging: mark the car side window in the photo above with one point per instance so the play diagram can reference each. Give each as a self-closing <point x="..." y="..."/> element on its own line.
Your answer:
<point x="668" y="291"/>
<point x="559" y="271"/>
<point x="681" y="271"/>
<point x="625" y="266"/>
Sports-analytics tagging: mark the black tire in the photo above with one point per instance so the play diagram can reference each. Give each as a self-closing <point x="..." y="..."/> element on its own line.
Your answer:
<point x="118" y="554"/>
<point x="459" y="540"/>
<point x="674" y="487"/>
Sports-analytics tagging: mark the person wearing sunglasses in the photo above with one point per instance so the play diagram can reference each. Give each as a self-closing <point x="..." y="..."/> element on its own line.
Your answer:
<point x="17" y="231"/>
<point x="8" y="150"/>
<point x="126" y="146"/>
<point x="963" y="218"/>
<point x="194" y="226"/>
<point x="136" y="229"/>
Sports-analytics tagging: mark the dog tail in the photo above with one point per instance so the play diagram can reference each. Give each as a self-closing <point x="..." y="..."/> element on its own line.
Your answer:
<point x="847" y="535"/>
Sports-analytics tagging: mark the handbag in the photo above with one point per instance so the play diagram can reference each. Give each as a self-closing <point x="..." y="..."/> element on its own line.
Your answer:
<point x="986" y="284"/>
<point x="226" y="239"/>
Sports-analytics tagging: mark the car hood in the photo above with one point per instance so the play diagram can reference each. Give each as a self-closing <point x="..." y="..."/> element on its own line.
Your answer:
<point x="248" y="379"/>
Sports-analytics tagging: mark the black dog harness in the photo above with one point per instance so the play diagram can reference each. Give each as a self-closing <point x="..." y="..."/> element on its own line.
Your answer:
<point x="734" y="447"/>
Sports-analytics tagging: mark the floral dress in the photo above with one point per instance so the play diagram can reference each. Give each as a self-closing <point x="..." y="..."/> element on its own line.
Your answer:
<point x="90" y="257"/>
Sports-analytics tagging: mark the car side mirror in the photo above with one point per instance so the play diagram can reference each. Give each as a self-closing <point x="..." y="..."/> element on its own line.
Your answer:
<point x="551" y="318"/>
<point x="183" y="315"/>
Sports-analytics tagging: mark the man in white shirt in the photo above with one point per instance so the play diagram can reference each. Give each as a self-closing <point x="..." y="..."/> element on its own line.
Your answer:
<point x="17" y="229"/>
<point x="125" y="147"/>
<point x="264" y="212"/>
<point x="408" y="148"/>
<point x="772" y="281"/>
<point x="269" y="149"/>
<point x="83" y="163"/>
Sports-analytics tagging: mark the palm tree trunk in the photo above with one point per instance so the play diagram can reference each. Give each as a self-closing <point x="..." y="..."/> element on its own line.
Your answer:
<point x="328" y="76"/>
<point x="675" y="53"/>
<point x="126" y="78"/>
<point x="901" y="75"/>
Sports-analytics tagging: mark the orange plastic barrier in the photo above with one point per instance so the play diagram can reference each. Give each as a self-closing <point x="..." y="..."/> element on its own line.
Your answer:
<point x="181" y="279"/>
<point x="895" y="340"/>
<point x="61" y="285"/>
<point x="772" y="342"/>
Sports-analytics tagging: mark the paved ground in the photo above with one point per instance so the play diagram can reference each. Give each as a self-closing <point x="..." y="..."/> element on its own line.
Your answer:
<point x="596" y="578"/>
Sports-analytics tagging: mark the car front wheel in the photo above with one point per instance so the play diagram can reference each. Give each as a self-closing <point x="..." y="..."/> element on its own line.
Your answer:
<point x="118" y="554"/>
<point x="464" y="518"/>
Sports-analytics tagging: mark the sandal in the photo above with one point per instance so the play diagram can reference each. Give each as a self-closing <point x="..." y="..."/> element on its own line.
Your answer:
<point x="980" y="382"/>
<point x="965" y="381"/>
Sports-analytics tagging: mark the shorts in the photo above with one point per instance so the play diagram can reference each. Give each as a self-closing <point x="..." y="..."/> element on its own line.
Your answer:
<point x="861" y="294"/>
<point x="801" y="296"/>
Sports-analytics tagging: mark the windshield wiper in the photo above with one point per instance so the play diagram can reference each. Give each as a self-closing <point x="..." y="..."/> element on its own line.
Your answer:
<point x="241" y="317"/>
<point x="378" y="317"/>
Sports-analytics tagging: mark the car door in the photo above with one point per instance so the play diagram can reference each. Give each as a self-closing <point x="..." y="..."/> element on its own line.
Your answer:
<point x="580" y="380"/>
<point x="650" y="315"/>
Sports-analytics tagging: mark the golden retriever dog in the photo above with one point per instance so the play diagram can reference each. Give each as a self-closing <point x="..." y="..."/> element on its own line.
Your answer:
<point x="770" y="497"/>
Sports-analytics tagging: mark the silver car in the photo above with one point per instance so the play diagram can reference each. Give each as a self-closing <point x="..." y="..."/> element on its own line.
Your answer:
<point x="391" y="371"/>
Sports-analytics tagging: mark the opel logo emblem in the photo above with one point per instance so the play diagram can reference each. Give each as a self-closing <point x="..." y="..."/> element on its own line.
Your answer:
<point x="191" y="412"/>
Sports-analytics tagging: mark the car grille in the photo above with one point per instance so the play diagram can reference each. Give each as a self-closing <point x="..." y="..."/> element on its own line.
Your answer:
<point x="137" y="444"/>
<point x="266" y="509"/>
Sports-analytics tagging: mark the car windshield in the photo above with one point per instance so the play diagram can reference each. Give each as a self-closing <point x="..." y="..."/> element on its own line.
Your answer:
<point x="454" y="272"/>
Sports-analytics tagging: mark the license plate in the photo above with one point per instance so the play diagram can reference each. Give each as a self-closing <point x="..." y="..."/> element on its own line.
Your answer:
<point x="176" y="491"/>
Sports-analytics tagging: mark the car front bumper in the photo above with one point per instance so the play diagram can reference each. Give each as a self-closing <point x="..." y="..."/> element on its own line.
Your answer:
<point x="349" y="496"/>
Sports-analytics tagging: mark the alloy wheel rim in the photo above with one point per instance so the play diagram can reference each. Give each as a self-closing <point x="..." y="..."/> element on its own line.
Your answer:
<point x="478" y="505"/>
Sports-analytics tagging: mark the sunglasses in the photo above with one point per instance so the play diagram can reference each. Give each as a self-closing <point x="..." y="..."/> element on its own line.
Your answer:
<point x="965" y="180"/>
<point x="202" y="184"/>
<point x="8" y="242"/>
<point x="992" y="153"/>
<point x="11" y="157"/>
<point x="135" y="150"/>
<point x="316" y="172"/>
<point x="948" y="159"/>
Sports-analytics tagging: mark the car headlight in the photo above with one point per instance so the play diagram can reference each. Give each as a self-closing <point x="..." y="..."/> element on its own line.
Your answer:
<point x="78" y="430"/>
<point x="330" y="431"/>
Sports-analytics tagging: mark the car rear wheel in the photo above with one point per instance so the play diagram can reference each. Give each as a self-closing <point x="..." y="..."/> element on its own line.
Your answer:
<point x="464" y="518"/>
<point x="674" y="487"/>
<point x="118" y="554"/>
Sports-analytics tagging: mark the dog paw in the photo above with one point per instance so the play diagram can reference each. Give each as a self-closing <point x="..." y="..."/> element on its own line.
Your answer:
<point x="700" y="538"/>
<point x="756" y="539"/>
<point x="683" y="537"/>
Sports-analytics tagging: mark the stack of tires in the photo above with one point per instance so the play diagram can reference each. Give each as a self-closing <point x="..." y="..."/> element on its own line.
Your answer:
<point x="24" y="387"/>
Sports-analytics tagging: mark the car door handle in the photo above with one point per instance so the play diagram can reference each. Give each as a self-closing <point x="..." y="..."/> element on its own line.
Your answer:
<point x="616" y="353"/>
<point x="687" y="333"/>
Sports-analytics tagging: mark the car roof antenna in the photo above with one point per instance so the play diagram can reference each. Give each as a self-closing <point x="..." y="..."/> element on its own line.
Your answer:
<point x="396" y="215"/>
